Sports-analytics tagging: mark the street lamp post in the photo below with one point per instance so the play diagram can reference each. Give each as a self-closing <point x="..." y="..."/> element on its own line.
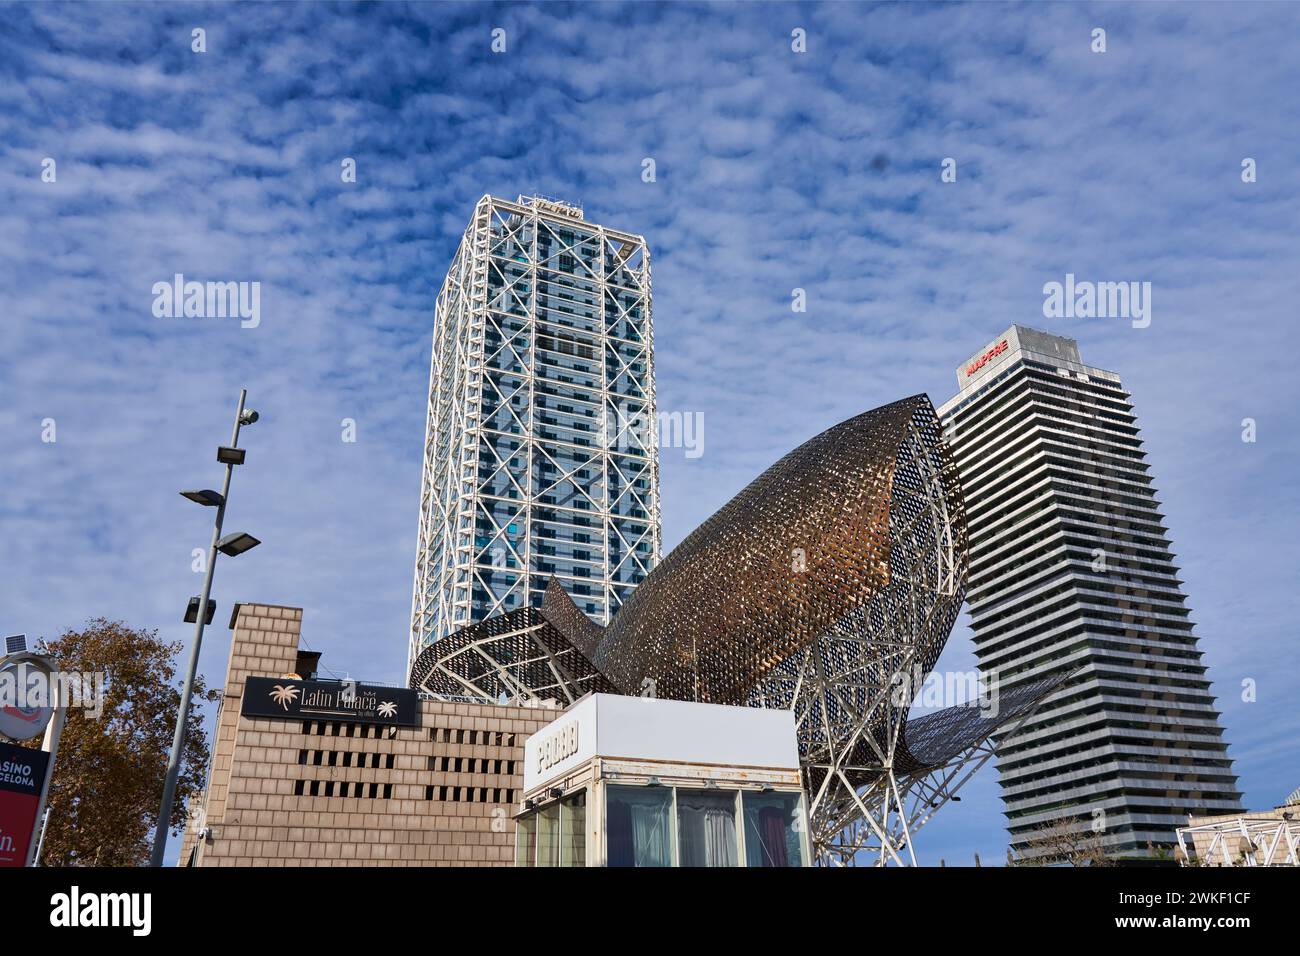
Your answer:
<point x="230" y="456"/>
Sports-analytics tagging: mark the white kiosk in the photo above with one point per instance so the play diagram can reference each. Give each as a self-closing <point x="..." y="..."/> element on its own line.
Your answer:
<point x="634" y="781"/>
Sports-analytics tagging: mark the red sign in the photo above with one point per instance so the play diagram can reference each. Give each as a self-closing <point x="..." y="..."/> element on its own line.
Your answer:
<point x="22" y="774"/>
<point x="987" y="357"/>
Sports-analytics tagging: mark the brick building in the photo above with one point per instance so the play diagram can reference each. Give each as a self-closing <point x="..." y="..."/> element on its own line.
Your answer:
<point x="407" y="782"/>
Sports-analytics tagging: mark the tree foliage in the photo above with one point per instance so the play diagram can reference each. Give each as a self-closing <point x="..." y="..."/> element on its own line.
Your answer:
<point x="108" y="778"/>
<point x="1068" y="840"/>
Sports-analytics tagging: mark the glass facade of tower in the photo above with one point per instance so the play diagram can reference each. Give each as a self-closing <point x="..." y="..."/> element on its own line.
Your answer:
<point x="540" y="456"/>
<point x="1071" y="568"/>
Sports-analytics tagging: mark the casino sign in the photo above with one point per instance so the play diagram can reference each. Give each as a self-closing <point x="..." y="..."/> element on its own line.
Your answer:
<point x="22" y="775"/>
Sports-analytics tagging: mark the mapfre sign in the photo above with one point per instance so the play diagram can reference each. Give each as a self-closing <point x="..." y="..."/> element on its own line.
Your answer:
<point x="987" y="357"/>
<point x="330" y="700"/>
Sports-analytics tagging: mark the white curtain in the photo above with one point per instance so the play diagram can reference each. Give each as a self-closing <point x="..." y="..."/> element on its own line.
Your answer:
<point x="719" y="837"/>
<point x="650" y="835"/>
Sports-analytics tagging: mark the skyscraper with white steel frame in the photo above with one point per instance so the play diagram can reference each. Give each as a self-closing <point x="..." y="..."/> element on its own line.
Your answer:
<point x="539" y="455"/>
<point x="1071" y="567"/>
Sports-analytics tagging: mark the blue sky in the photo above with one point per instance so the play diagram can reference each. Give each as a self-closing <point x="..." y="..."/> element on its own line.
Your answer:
<point x="775" y="171"/>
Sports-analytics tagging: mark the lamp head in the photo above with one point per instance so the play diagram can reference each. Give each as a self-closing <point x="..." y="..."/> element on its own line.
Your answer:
<point x="237" y="543"/>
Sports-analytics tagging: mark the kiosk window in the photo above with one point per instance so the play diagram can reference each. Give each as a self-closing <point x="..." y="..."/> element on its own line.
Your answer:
<point x="639" y="826"/>
<point x="706" y="823"/>
<point x="573" y="823"/>
<point x="770" y="835"/>
<point x="548" y="836"/>
<point x="526" y="841"/>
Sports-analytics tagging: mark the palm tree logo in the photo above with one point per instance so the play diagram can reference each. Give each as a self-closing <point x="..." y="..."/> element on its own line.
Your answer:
<point x="284" y="696"/>
<point x="387" y="709"/>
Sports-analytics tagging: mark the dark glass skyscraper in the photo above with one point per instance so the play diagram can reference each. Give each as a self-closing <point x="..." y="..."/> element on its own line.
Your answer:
<point x="1071" y="567"/>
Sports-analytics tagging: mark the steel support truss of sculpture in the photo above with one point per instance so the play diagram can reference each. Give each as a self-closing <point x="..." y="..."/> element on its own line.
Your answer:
<point x="828" y="586"/>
